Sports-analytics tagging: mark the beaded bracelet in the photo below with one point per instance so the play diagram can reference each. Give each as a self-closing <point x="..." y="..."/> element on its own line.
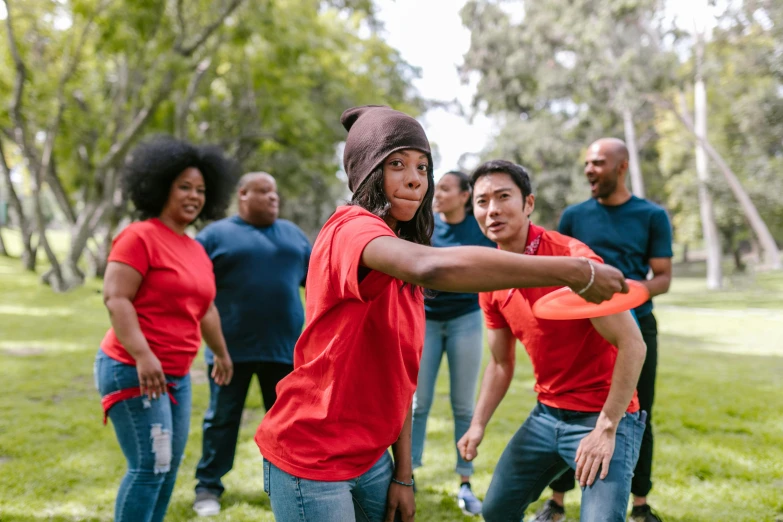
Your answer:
<point x="401" y="483"/>
<point x="592" y="276"/>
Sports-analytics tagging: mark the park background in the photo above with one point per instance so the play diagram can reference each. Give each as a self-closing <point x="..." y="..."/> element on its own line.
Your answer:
<point x="695" y="88"/>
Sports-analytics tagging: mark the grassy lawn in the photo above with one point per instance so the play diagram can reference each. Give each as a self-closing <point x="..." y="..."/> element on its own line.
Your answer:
<point x="719" y="412"/>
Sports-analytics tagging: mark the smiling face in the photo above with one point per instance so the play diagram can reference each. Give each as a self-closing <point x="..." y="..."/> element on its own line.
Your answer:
<point x="186" y="197"/>
<point x="501" y="211"/>
<point x="604" y="169"/>
<point x="449" y="197"/>
<point x="405" y="182"/>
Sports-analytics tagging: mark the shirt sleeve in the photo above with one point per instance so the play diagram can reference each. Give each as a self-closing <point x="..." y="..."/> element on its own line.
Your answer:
<point x="660" y="235"/>
<point x="130" y="248"/>
<point x="492" y="316"/>
<point x="578" y="249"/>
<point x="349" y="240"/>
<point x="564" y="227"/>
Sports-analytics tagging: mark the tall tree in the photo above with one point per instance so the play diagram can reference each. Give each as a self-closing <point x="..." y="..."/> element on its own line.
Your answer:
<point x="709" y="228"/>
<point x="94" y="76"/>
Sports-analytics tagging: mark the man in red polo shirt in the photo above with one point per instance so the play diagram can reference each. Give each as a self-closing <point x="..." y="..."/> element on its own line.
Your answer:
<point x="587" y="416"/>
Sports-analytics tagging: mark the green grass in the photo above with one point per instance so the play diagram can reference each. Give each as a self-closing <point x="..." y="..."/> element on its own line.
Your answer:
<point x="719" y="413"/>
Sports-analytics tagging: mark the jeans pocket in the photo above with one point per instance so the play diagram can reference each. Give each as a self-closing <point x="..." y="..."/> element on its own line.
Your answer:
<point x="266" y="476"/>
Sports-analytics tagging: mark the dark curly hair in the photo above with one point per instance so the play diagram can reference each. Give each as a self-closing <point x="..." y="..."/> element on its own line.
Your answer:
<point x="152" y="167"/>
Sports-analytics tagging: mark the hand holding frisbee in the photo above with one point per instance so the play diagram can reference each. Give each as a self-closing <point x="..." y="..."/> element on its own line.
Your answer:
<point x="603" y="284"/>
<point x="566" y="304"/>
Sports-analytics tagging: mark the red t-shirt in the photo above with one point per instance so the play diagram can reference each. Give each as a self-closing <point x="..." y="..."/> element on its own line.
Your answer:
<point x="572" y="362"/>
<point x="355" y="365"/>
<point x="177" y="288"/>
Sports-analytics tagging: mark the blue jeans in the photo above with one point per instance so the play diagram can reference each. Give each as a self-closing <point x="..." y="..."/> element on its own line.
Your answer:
<point x="362" y="499"/>
<point x="462" y="342"/>
<point x="152" y="435"/>
<point x="544" y="447"/>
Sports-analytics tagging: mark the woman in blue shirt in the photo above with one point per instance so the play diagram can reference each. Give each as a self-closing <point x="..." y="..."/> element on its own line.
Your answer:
<point x="454" y="328"/>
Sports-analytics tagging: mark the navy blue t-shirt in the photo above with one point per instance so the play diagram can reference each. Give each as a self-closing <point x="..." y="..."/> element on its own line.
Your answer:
<point x="626" y="236"/>
<point x="448" y="305"/>
<point x="258" y="272"/>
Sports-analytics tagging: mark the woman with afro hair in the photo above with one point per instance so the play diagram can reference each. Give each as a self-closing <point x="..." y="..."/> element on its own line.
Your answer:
<point x="159" y="290"/>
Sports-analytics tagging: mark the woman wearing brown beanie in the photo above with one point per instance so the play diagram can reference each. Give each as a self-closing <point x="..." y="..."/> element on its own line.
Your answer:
<point x="325" y="441"/>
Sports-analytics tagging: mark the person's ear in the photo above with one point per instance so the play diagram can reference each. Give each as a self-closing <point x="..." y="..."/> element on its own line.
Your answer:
<point x="464" y="197"/>
<point x="530" y="205"/>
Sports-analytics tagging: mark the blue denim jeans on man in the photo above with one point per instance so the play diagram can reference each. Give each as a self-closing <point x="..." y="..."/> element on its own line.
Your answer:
<point x="544" y="447"/>
<point x="152" y="435"/>
<point x="462" y="341"/>
<point x="362" y="499"/>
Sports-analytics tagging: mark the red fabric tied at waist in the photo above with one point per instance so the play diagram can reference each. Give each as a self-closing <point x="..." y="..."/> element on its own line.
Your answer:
<point x="110" y="399"/>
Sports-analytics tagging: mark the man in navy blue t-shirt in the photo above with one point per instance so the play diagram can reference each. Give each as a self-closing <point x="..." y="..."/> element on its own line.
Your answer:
<point x="633" y="235"/>
<point x="260" y="263"/>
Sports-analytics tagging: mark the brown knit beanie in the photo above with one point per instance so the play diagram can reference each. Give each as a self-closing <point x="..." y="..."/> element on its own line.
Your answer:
<point x="374" y="132"/>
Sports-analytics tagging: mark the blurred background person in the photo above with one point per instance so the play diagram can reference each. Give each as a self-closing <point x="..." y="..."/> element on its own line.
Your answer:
<point x="159" y="291"/>
<point x="260" y="264"/>
<point x="454" y="328"/>
<point x="634" y="235"/>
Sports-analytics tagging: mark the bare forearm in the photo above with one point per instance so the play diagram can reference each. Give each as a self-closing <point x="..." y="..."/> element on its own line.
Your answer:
<point x="479" y="269"/>
<point x="658" y="284"/>
<point x="494" y="385"/>
<point x="125" y="322"/>
<point x="212" y="332"/>
<point x="401" y="450"/>
<point x="627" y="367"/>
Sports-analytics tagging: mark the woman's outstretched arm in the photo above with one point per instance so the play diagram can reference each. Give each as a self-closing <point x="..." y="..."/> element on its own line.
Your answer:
<point x="481" y="269"/>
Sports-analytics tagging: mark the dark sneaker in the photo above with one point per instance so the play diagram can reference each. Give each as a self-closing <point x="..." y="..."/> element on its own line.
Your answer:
<point x="207" y="504"/>
<point x="643" y="514"/>
<point x="467" y="501"/>
<point x="550" y="512"/>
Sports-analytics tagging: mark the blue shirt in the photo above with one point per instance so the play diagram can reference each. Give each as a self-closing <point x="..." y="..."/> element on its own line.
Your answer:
<point x="448" y="305"/>
<point x="626" y="236"/>
<point x="258" y="272"/>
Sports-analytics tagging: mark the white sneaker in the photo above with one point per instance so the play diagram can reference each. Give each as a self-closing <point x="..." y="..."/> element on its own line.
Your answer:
<point x="206" y="504"/>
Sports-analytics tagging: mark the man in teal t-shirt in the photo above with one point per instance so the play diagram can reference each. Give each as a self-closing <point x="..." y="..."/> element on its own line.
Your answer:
<point x="635" y="236"/>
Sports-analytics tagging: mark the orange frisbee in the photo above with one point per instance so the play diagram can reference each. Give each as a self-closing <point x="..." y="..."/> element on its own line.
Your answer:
<point x="565" y="304"/>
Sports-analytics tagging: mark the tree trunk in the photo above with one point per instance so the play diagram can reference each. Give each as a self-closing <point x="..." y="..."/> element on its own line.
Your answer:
<point x="634" y="165"/>
<point x="708" y="226"/>
<point x="25" y="227"/>
<point x="53" y="277"/>
<point x="3" y="251"/>
<point x="770" y="252"/>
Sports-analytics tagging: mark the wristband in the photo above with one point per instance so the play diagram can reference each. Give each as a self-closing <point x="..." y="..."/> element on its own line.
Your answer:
<point x="592" y="276"/>
<point x="401" y="483"/>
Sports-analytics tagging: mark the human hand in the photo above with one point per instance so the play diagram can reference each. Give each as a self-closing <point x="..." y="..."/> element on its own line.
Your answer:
<point x="595" y="451"/>
<point x="222" y="369"/>
<point x="468" y="444"/>
<point x="607" y="281"/>
<point x="152" y="380"/>
<point x="400" y="500"/>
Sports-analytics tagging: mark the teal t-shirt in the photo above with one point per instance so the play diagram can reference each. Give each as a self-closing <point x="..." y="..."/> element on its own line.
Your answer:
<point x="626" y="236"/>
<point x="258" y="273"/>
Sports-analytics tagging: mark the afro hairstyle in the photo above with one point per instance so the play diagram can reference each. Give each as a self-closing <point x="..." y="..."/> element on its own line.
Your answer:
<point x="153" y="165"/>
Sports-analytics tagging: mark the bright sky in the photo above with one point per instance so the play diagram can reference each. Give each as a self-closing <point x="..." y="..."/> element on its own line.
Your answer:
<point x="437" y="49"/>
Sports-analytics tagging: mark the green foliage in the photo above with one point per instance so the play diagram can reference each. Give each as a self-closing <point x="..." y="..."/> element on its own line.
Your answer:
<point x="559" y="78"/>
<point x="268" y="84"/>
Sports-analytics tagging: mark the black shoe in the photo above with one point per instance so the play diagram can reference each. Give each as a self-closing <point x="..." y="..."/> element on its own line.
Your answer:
<point x="643" y="514"/>
<point x="550" y="512"/>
